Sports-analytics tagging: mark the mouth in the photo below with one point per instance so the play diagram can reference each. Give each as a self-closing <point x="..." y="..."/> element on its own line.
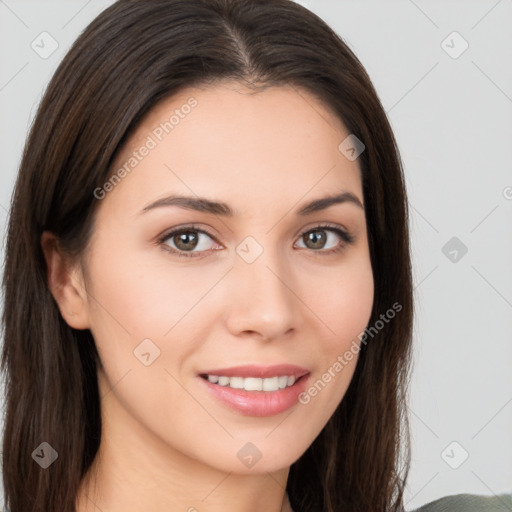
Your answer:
<point x="253" y="383"/>
<point x="256" y="390"/>
<point x="256" y="378"/>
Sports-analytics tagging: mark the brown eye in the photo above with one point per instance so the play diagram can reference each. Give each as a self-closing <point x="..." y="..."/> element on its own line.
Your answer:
<point x="316" y="238"/>
<point x="185" y="240"/>
<point x="188" y="242"/>
<point x="326" y="239"/>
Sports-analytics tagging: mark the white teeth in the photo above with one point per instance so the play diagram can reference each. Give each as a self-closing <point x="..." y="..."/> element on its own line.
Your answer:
<point x="236" y="382"/>
<point x="271" y="384"/>
<point x="254" y="383"/>
<point x="223" y="381"/>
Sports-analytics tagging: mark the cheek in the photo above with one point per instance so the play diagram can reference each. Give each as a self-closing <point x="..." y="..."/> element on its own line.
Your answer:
<point x="345" y="304"/>
<point x="135" y="299"/>
<point x="144" y="298"/>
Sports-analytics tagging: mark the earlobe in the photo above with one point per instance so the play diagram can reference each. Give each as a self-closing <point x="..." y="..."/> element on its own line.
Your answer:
<point x="65" y="283"/>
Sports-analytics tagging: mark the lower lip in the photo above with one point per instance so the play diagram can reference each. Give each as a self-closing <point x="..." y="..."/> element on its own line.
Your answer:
<point x="258" y="403"/>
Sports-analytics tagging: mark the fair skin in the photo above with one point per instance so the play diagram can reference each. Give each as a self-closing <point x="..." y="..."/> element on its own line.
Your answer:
<point x="167" y="444"/>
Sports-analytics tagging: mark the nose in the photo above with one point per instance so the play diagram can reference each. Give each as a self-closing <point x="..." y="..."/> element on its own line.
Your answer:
<point x="262" y="299"/>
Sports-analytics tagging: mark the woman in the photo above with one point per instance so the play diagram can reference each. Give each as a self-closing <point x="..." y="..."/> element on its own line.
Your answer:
<point x="265" y="366"/>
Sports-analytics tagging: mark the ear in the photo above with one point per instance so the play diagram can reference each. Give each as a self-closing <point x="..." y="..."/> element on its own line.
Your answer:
<point x="66" y="284"/>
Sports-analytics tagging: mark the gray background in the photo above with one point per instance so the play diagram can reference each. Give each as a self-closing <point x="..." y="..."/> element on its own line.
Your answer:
<point x="452" y="118"/>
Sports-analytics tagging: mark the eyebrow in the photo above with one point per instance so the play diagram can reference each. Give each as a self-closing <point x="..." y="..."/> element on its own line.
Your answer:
<point x="201" y="204"/>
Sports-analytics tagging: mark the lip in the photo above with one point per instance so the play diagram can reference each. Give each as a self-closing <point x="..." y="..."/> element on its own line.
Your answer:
<point x="257" y="403"/>
<point x="261" y="372"/>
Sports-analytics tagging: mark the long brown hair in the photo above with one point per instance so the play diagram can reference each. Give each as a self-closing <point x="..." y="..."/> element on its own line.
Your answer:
<point x="134" y="54"/>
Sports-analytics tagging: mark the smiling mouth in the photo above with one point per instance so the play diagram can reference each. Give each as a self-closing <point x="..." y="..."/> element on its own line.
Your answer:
<point x="275" y="383"/>
<point x="256" y="390"/>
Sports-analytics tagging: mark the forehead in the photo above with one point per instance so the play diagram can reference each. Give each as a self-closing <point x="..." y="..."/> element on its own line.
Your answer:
<point x="224" y="141"/>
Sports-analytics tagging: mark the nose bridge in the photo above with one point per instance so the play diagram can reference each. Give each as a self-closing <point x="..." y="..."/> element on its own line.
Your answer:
<point x="263" y="301"/>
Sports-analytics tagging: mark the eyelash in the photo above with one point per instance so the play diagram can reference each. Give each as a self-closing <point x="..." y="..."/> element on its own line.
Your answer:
<point x="346" y="237"/>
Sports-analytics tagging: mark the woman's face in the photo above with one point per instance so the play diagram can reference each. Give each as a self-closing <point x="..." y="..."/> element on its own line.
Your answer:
<point x="263" y="285"/>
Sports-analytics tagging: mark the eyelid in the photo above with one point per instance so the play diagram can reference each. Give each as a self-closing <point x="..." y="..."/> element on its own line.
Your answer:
<point x="327" y="225"/>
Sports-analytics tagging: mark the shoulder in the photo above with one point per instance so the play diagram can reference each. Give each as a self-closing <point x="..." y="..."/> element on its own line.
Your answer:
<point x="469" y="503"/>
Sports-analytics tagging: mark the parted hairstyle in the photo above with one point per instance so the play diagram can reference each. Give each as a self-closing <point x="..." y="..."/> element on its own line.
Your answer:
<point x="132" y="56"/>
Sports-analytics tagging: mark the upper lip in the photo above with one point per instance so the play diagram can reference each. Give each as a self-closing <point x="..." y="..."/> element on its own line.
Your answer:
<point x="261" y="372"/>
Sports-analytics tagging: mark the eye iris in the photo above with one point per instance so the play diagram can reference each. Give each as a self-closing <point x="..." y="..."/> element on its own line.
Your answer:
<point x="183" y="238"/>
<point x="317" y="237"/>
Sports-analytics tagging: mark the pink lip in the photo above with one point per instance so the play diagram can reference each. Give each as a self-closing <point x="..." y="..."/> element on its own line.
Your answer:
<point x="258" y="403"/>
<point x="261" y="372"/>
